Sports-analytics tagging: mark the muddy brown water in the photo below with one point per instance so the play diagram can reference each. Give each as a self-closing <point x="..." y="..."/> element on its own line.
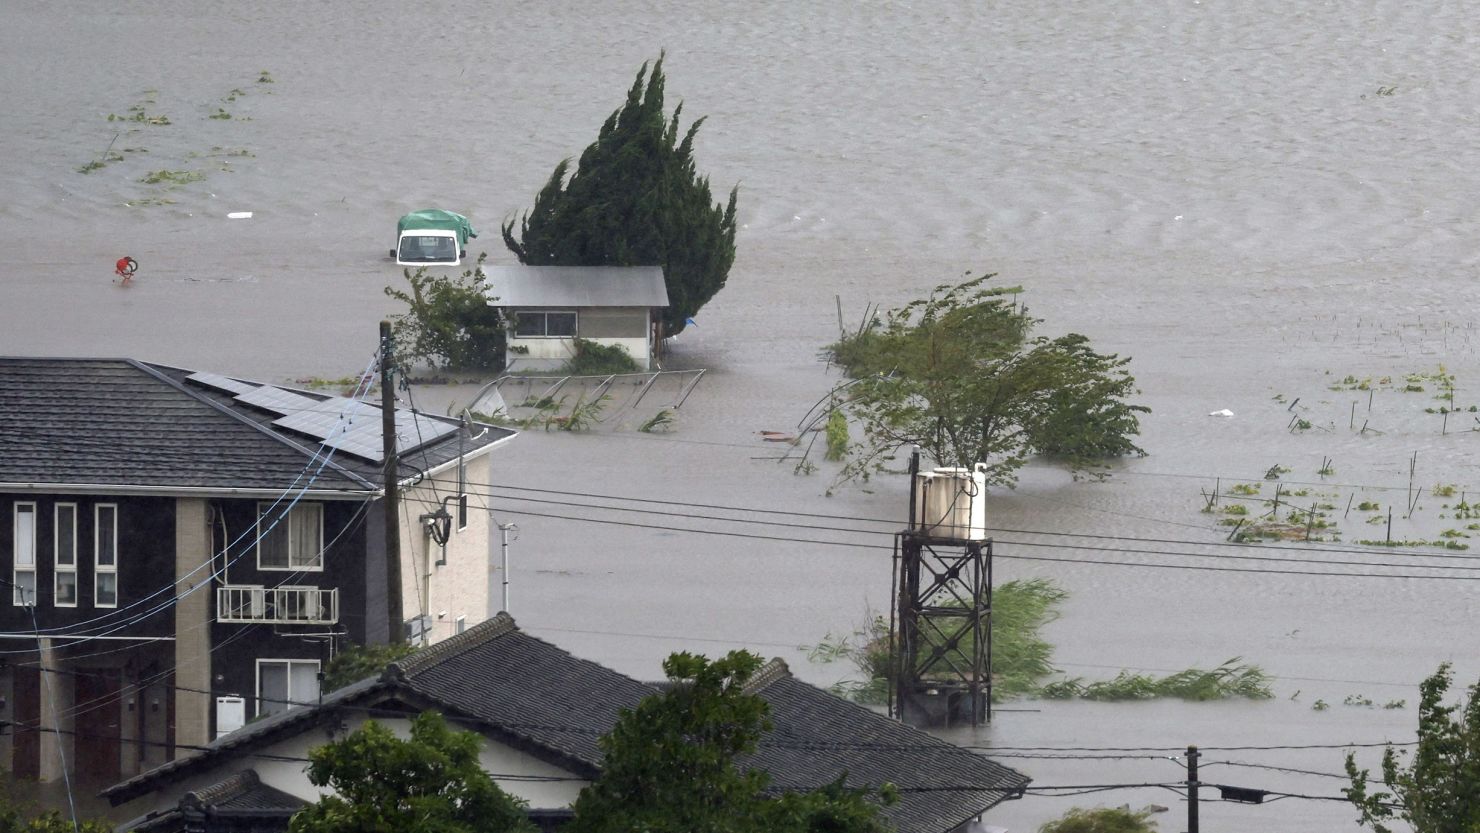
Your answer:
<point x="1254" y="201"/>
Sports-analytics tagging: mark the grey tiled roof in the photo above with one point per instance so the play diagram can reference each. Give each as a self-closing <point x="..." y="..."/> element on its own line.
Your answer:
<point x="121" y="423"/>
<point x="576" y="286"/>
<point x="818" y="737"/>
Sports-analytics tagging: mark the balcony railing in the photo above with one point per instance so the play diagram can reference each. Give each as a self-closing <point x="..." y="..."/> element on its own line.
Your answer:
<point x="277" y="605"/>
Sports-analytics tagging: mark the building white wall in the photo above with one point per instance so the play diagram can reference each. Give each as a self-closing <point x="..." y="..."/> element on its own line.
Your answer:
<point x="291" y="776"/>
<point x="458" y="588"/>
<point x="626" y="327"/>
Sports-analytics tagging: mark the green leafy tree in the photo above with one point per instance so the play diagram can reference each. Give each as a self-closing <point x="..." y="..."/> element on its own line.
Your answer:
<point x="670" y="765"/>
<point x="1101" y="820"/>
<point x="448" y="322"/>
<point x="961" y="375"/>
<point x="1438" y="791"/>
<point x="636" y="199"/>
<point x="13" y="820"/>
<point x="357" y="662"/>
<point x="431" y="783"/>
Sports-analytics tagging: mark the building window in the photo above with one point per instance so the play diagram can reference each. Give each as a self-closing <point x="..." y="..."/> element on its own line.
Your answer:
<point x="535" y="324"/>
<point x="105" y="555"/>
<point x="294" y="542"/>
<point x="65" y="584"/>
<point x="462" y="624"/>
<point x="283" y="683"/>
<point x="24" y="579"/>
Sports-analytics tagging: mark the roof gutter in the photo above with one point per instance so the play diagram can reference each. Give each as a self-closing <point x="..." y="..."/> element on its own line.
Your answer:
<point x="179" y="491"/>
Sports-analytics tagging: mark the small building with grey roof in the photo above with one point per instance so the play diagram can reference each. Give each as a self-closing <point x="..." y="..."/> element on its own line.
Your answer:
<point x="546" y="308"/>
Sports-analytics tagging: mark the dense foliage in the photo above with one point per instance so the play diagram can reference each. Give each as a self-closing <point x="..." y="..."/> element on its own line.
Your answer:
<point x="636" y="199"/>
<point x="431" y="783"/>
<point x="593" y="359"/>
<point x="960" y="375"/>
<point x="670" y="765"/>
<point x="448" y="322"/>
<point x="12" y="820"/>
<point x="1102" y="820"/>
<point x="357" y="662"/>
<point x="1438" y="791"/>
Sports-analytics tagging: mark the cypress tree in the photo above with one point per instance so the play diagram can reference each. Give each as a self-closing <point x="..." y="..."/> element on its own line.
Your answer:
<point x="636" y="199"/>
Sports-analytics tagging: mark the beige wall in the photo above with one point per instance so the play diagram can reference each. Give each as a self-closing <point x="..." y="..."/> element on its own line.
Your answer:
<point x="459" y="587"/>
<point x="192" y="627"/>
<point x="626" y="327"/>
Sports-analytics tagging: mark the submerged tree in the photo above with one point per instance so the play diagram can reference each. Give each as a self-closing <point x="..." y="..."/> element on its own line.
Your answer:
<point x="960" y="375"/>
<point x="670" y="765"/>
<point x="430" y="783"/>
<point x="1439" y="790"/>
<point x="636" y="199"/>
<point x="448" y="322"/>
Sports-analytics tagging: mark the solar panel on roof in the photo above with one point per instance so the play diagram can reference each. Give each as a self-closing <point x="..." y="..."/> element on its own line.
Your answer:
<point x="276" y="400"/>
<point x="354" y="427"/>
<point x="219" y="382"/>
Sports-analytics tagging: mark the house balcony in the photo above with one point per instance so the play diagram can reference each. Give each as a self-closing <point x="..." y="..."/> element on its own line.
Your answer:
<point x="292" y="605"/>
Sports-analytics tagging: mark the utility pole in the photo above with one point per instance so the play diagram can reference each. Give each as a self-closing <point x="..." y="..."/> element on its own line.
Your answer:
<point x="1192" y="785"/>
<point x="392" y="489"/>
<point x="505" y="529"/>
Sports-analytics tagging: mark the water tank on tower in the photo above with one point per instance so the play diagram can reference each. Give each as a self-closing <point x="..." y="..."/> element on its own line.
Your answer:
<point x="951" y="503"/>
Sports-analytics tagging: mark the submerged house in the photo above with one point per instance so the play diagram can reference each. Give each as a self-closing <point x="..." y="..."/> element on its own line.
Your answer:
<point x="541" y="712"/>
<point x="180" y="552"/>
<point x="546" y="308"/>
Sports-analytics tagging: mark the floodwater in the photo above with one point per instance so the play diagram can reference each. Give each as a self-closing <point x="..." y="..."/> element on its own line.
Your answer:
<point x="1253" y="200"/>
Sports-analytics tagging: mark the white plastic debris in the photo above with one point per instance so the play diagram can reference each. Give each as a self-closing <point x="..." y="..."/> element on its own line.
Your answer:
<point x="239" y="215"/>
<point x="1223" y="413"/>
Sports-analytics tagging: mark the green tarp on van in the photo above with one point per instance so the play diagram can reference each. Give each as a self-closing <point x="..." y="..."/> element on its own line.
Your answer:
<point x="436" y="218"/>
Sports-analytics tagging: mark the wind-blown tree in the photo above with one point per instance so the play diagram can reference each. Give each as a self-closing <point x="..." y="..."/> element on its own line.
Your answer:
<point x="636" y="199"/>
<point x="961" y="375"/>
<point x="1438" y="791"/>
<point x="669" y="765"/>
<point x="430" y="783"/>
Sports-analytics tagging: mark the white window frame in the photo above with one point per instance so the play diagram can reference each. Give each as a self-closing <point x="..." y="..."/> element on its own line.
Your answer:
<point x="460" y="625"/>
<point x="99" y="568"/>
<point x="317" y="567"/>
<point x="59" y="568"/>
<point x="17" y="597"/>
<point x="545" y="317"/>
<point x="292" y="700"/>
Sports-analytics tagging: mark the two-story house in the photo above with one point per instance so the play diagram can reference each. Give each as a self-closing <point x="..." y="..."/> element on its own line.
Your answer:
<point x="181" y="552"/>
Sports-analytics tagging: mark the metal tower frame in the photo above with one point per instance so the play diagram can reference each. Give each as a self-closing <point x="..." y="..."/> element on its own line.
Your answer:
<point x="940" y="628"/>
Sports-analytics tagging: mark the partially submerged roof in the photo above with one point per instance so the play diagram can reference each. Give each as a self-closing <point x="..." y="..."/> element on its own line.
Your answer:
<point x="121" y="425"/>
<point x="536" y="697"/>
<point x="239" y="804"/>
<point x="576" y="286"/>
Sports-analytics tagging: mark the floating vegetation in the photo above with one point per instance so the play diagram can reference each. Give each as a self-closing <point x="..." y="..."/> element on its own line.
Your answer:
<point x="220" y="114"/>
<point x="659" y="422"/>
<point x="234" y="95"/>
<point x="172" y="177"/>
<point x="1320" y="706"/>
<point x="1357" y="700"/>
<point x="1231" y="679"/>
<point x="1245" y="488"/>
<point x="264" y="77"/>
<point x="1275" y="471"/>
<point x="837" y="435"/>
<point x="1395" y="704"/>
<point x="1022" y="659"/>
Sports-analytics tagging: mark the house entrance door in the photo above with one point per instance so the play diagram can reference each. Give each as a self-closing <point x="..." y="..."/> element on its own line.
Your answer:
<point x="97" y="741"/>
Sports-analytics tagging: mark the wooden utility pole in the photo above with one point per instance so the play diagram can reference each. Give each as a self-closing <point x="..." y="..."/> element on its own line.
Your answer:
<point x="392" y="489"/>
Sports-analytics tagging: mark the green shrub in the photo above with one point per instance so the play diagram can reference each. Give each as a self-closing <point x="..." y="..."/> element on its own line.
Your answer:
<point x="592" y="359"/>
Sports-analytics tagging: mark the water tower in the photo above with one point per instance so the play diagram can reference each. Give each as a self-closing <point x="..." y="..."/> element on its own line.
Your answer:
<point x="941" y="629"/>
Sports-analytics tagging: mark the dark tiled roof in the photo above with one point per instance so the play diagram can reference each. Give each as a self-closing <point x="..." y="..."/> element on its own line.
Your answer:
<point x="539" y="698"/>
<point x="525" y="687"/>
<point x="122" y="423"/>
<point x="243" y="792"/>
<point x="817" y="737"/>
<point x="239" y="804"/>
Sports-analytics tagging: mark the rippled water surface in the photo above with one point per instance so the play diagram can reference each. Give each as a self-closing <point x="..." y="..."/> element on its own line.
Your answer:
<point x="1253" y="200"/>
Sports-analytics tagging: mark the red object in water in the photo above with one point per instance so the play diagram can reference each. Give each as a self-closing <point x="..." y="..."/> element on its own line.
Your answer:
<point x="126" y="267"/>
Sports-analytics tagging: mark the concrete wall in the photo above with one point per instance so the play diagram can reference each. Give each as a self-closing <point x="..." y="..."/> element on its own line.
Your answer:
<point x="458" y="587"/>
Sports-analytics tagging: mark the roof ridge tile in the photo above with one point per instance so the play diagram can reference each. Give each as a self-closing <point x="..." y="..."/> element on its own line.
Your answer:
<point x="428" y="657"/>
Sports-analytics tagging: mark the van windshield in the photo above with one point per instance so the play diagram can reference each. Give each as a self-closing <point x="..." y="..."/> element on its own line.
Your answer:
<point x="417" y="248"/>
